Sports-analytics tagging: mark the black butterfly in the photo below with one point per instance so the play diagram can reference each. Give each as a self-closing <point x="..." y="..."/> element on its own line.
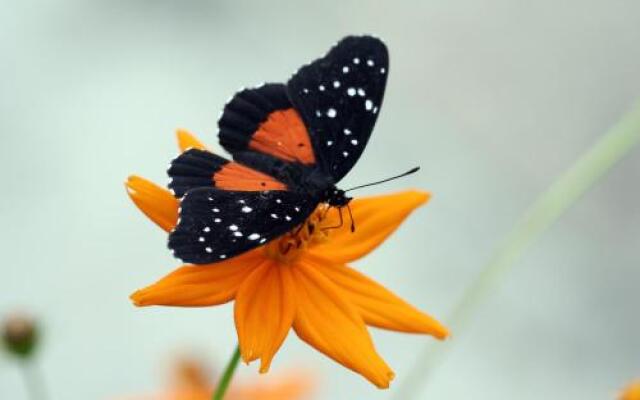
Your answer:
<point x="290" y="144"/>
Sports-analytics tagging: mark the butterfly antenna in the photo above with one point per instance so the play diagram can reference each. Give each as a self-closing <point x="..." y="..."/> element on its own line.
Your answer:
<point x="409" y="172"/>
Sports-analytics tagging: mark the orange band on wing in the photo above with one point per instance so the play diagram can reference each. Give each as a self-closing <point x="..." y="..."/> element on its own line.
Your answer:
<point x="233" y="176"/>
<point x="284" y="136"/>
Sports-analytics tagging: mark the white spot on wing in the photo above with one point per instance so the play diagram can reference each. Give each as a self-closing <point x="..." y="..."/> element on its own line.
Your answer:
<point x="208" y="250"/>
<point x="354" y="142"/>
<point x="356" y="60"/>
<point x="346" y="131"/>
<point x="329" y="142"/>
<point x="351" y="91"/>
<point x="254" y="236"/>
<point x="247" y="209"/>
<point x="361" y="92"/>
<point x="321" y="88"/>
<point x="345" y="69"/>
<point x="207" y="229"/>
<point x="331" y="113"/>
<point x="368" y="105"/>
<point x="237" y="234"/>
<point x="370" y="62"/>
<point x="336" y="84"/>
<point x="233" y="227"/>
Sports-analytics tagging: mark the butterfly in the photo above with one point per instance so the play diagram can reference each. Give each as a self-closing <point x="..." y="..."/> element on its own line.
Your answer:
<point x="290" y="143"/>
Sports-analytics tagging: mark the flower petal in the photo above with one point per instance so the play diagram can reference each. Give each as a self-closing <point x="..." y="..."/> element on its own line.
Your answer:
<point x="378" y="306"/>
<point x="292" y="386"/>
<point x="155" y="202"/>
<point x="375" y="219"/>
<point x="328" y="322"/>
<point x="186" y="141"/>
<point x="264" y="311"/>
<point x="199" y="285"/>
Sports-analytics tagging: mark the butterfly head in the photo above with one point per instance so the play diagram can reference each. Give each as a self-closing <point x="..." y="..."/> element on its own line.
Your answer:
<point x="337" y="197"/>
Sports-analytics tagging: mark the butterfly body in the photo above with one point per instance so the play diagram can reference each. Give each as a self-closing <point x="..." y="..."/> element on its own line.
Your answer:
<point x="291" y="144"/>
<point x="320" y="186"/>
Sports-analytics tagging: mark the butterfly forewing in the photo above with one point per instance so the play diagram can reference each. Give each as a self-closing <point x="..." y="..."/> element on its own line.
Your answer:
<point x="217" y="224"/>
<point x="339" y="97"/>
<point x="263" y="120"/>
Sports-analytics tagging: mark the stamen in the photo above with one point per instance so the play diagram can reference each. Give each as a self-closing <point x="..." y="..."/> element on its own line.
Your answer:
<point x="290" y="245"/>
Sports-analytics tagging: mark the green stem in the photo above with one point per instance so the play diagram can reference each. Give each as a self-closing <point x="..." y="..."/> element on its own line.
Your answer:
<point x="223" y="385"/>
<point x="548" y="207"/>
<point x="33" y="380"/>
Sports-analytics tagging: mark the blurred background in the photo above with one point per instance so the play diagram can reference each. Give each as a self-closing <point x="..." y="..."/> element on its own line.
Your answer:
<point x="493" y="98"/>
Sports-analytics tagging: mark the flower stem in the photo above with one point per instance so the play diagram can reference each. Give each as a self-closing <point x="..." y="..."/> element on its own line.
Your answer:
<point x="223" y="385"/>
<point x="548" y="207"/>
<point x="33" y="380"/>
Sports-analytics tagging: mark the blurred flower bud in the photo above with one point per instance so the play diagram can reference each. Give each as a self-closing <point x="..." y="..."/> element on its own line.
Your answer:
<point x="19" y="335"/>
<point x="632" y="392"/>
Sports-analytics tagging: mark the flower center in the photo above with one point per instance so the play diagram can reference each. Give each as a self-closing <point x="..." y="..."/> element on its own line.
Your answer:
<point x="288" y="247"/>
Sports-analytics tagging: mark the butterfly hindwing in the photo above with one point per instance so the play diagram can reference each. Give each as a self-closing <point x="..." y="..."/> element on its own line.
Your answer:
<point x="339" y="97"/>
<point x="200" y="168"/>
<point x="263" y="120"/>
<point x="217" y="224"/>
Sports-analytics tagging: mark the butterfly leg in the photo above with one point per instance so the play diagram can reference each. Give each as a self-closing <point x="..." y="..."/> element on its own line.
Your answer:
<point x="337" y="226"/>
<point x="353" y="223"/>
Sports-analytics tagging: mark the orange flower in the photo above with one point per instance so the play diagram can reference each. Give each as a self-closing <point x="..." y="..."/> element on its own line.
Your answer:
<point x="632" y="392"/>
<point x="190" y="382"/>
<point x="300" y="280"/>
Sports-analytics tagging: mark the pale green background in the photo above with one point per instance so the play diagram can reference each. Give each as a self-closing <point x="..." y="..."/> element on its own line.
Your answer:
<point x="492" y="98"/>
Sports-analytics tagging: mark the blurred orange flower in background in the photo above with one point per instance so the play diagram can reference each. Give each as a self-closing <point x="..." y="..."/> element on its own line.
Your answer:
<point x="298" y="281"/>
<point x="190" y="382"/>
<point x="632" y="392"/>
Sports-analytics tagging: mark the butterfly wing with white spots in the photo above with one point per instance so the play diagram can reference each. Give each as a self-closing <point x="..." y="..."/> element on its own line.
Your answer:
<point x="339" y="97"/>
<point x="218" y="224"/>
